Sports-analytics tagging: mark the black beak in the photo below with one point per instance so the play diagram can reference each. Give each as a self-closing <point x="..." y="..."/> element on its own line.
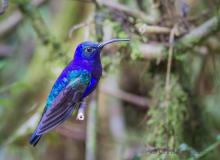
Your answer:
<point x="102" y="44"/>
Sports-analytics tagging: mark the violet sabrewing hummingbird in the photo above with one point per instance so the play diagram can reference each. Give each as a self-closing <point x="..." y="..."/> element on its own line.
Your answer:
<point x="78" y="80"/>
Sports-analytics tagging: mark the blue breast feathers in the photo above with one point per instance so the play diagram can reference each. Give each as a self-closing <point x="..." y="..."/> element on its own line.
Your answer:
<point x="64" y="79"/>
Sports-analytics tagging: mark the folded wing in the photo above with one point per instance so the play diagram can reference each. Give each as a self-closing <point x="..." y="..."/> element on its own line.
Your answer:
<point x="64" y="104"/>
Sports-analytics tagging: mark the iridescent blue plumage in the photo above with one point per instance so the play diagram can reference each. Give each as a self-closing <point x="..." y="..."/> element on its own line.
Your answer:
<point x="77" y="81"/>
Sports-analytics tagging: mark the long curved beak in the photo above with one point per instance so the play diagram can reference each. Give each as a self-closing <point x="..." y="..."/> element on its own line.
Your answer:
<point x="102" y="44"/>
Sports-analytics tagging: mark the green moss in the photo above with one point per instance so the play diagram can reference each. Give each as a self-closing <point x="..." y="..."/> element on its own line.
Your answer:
<point x="165" y="127"/>
<point x="135" y="52"/>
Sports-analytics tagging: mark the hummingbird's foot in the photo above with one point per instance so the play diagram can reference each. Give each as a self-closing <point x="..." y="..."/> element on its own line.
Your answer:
<point x="81" y="111"/>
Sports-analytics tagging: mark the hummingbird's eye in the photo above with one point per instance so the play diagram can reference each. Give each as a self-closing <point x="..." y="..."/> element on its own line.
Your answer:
<point x="89" y="50"/>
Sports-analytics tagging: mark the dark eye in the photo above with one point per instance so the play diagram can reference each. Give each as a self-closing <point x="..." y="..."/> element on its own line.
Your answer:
<point x="89" y="50"/>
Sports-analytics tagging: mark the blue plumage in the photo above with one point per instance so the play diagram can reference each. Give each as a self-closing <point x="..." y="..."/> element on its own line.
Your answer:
<point x="77" y="81"/>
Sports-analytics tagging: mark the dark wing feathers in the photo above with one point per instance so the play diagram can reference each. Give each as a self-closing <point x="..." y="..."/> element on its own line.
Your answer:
<point x="56" y="122"/>
<point x="62" y="107"/>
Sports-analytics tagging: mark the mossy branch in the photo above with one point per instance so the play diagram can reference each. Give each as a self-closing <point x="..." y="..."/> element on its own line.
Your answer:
<point x="193" y="38"/>
<point x="199" y="34"/>
<point x="41" y="29"/>
<point x="130" y="12"/>
<point x="9" y="23"/>
<point x="206" y="151"/>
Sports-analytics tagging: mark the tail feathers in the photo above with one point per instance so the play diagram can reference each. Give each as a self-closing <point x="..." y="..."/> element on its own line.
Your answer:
<point x="35" y="139"/>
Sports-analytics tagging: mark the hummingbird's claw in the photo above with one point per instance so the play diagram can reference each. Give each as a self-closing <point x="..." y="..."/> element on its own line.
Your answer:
<point x="81" y="111"/>
<point x="80" y="116"/>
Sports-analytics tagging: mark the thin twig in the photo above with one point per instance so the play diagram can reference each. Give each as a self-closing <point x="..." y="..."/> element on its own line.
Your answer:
<point x="169" y="64"/>
<point x="206" y="151"/>
<point x="78" y="26"/>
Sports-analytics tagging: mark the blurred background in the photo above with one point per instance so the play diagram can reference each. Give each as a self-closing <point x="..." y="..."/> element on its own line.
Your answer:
<point x="159" y="95"/>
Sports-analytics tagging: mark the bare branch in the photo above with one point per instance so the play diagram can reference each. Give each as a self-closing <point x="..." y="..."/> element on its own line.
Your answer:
<point x="169" y="65"/>
<point x="13" y="20"/>
<point x="199" y="34"/>
<point x="188" y="41"/>
<point x="151" y="29"/>
<point x="78" y="26"/>
<point x="137" y="100"/>
<point x="128" y="11"/>
<point x="152" y="51"/>
<point x="4" y="6"/>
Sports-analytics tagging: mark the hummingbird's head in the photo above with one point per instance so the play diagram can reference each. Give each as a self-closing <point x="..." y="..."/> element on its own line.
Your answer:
<point x="91" y="50"/>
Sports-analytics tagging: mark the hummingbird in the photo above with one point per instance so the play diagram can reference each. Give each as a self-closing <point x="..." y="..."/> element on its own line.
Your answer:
<point x="78" y="79"/>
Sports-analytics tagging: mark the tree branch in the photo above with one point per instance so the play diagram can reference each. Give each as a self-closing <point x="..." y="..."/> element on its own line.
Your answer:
<point x="15" y="18"/>
<point x="4" y="6"/>
<point x="135" y="99"/>
<point x="193" y="38"/>
<point x="131" y="12"/>
<point x="199" y="34"/>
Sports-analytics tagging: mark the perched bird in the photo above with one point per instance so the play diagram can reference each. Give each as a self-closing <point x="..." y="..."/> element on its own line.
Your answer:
<point x="78" y="80"/>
